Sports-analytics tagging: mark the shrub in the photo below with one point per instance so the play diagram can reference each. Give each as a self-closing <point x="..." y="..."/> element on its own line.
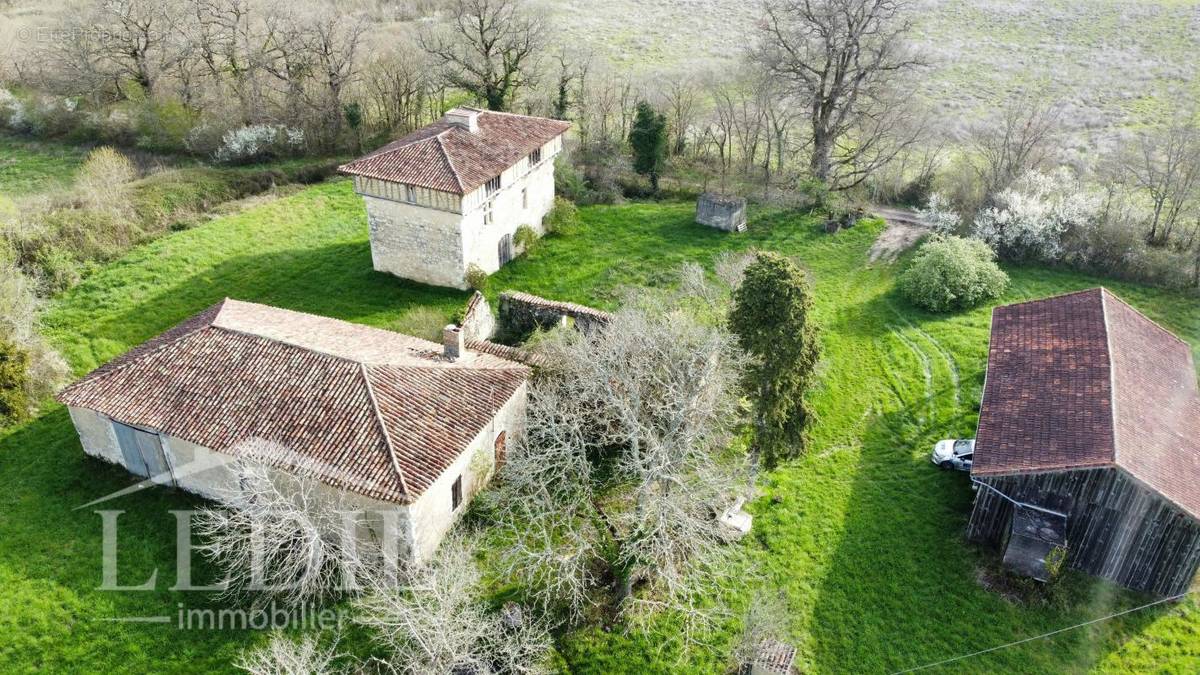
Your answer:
<point x="14" y="375"/>
<point x="258" y="142"/>
<point x="423" y="322"/>
<point x="952" y="273"/>
<point x="525" y="238"/>
<point x="563" y="218"/>
<point x="1031" y="219"/>
<point x="12" y="112"/>
<point x="102" y="183"/>
<point x="941" y="216"/>
<point x="476" y="277"/>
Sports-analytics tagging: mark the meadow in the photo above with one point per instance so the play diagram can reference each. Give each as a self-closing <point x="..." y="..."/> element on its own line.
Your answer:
<point x="863" y="534"/>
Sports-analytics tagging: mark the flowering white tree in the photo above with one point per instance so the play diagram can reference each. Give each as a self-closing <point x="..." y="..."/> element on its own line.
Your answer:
<point x="1031" y="218"/>
<point x="436" y="623"/>
<point x="940" y="215"/>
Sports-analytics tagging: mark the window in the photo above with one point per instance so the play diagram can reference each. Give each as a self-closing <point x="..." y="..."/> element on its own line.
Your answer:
<point x="456" y="494"/>
<point x="492" y="185"/>
<point x="487" y="216"/>
<point x="524" y="198"/>
<point x="410" y="194"/>
<point x="535" y="157"/>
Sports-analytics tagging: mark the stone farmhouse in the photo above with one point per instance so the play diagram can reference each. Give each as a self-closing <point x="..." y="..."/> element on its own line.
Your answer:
<point x="452" y="195"/>
<point x="393" y="422"/>
<point x="1089" y="443"/>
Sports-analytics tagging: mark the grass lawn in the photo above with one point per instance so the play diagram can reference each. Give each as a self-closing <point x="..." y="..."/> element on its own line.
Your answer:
<point x="863" y="534"/>
<point x="27" y="166"/>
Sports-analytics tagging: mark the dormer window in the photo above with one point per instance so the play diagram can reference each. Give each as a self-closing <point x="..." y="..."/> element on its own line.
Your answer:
<point x="492" y="186"/>
<point x="535" y="157"/>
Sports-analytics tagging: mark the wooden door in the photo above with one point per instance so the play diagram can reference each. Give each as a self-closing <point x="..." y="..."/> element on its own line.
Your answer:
<point x="143" y="453"/>
<point x="506" y="249"/>
<point x="501" y="449"/>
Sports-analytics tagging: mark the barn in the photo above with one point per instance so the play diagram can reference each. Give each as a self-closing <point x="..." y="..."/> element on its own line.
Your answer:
<point x="1088" y="447"/>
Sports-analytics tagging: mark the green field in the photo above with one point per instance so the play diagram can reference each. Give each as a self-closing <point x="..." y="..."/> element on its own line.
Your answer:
<point x="27" y="167"/>
<point x="863" y="534"/>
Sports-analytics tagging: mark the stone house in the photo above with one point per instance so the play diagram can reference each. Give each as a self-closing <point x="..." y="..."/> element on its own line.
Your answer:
<point x="393" y="422"/>
<point x="453" y="194"/>
<point x="1088" y="447"/>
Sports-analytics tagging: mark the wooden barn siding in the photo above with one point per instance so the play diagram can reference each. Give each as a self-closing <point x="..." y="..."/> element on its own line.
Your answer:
<point x="1143" y="543"/>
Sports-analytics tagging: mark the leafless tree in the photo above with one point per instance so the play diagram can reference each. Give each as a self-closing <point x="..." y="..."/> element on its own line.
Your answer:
<point x="1166" y="167"/>
<point x="287" y="656"/>
<point x="436" y="622"/>
<point x="490" y="49"/>
<point x="625" y="464"/>
<point x="1017" y="141"/>
<point x="681" y="99"/>
<point x="125" y="41"/>
<point x="839" y="59"/>
<point x="397" y="86"/>
<point x="279" y="533"/>
<point x="766" y="621"/>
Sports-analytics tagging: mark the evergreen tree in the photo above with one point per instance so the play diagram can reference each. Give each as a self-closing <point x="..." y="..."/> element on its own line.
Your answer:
<point x="772" y="317"/>
<point x="648" y="137"/>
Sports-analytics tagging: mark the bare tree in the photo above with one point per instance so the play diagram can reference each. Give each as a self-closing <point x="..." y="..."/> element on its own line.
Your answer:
<point x="397" y="87"/>
<point x="279" y="533"/>
<point x="1019" y="140"/>
<point x="625" y="463"/>
<point x="437" y="623"/>
<point x="681" y="99"/>
<point x="287" y="656"/>
<point x="125" y="41"/>
<point x="766" y="621"/>
<point x="1166" y="167"/>
<point x="838" y="58"/>
<point x="490" y="50"/>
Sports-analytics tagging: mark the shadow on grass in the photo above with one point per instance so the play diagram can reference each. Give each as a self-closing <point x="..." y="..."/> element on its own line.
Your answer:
<point x="903" y="579"/>
<point x="336" y="280"/>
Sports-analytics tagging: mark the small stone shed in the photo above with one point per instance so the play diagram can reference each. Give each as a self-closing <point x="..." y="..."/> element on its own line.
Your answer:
<point x="1089" y="443"/>
<point x="396" y="423"/>
<point x="724" y="212"/>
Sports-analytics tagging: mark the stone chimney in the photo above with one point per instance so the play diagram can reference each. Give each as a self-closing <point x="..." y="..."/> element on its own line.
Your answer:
<point x="466" y="118"/>
<point x="452" y="342"/>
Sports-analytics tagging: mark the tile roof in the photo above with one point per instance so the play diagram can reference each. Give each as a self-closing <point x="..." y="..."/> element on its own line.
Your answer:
<point x="446" y="157"/>
<point x="1084" y="380"/>
<point x="385" y="412"/>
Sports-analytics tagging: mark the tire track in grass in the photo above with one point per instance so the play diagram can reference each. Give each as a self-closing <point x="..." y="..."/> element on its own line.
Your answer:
<point x="926" y="371"/>
<point x="951" y="362"/>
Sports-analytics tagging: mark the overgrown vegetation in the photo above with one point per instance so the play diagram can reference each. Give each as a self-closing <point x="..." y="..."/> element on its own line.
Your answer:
<point x="893" y="380"/>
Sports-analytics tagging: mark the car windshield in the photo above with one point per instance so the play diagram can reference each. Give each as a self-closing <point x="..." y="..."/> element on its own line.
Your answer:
<point x="961" y="446"/>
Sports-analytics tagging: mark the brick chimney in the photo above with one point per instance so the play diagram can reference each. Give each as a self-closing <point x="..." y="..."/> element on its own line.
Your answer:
<point x="467" y="118"/>
<point x="452" y="342"/>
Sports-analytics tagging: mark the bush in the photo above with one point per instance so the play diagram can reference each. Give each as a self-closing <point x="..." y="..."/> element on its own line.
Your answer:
<point x="952" y="273"/>
<point x="477" y="279"/>
<point x="563" y="218"/>
<point x="103" y="180"/>
<point x="259" y="142"/>
<point x="14" y="376"/>
<point x="525" y="238"/>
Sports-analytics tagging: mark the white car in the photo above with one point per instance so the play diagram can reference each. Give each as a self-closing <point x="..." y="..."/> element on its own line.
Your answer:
<point x="954" y="454"/>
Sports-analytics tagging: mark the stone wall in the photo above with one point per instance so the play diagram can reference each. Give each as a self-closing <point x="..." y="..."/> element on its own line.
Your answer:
<point x="417" y="243"/>
<point x="722" y="212"/>
<point x="522" y="313"/>
<point x="478" y="322"/>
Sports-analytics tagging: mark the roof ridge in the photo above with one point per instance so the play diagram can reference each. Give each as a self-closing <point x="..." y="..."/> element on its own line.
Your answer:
<point x="1105" y="292"/>
<point x="1112" y="376"/>
<point x="387" y="437"/>
<point x="449" y="162"/>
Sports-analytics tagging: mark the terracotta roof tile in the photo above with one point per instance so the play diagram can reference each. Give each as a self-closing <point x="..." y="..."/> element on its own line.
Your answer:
<point x="1084" y="380"/>
<point x="363" y="400"/>
<point x="449" y="158"/>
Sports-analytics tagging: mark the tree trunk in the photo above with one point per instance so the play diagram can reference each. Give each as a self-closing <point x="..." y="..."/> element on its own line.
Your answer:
<point x="820" y="162"/>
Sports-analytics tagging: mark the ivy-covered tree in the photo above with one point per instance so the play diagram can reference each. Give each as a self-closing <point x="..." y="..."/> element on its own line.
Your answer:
<point x="14" y="366"/>
<point x="772" y="317"/>
<point x="648" y="137"/>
